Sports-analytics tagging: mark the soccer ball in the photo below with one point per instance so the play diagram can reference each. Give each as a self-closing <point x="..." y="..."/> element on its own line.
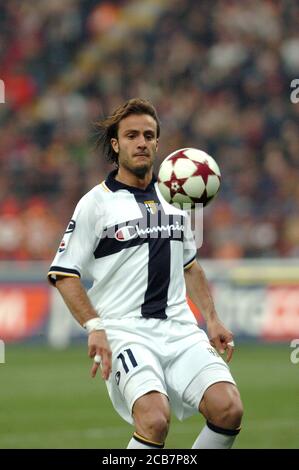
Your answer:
<point x="189" y="176"/>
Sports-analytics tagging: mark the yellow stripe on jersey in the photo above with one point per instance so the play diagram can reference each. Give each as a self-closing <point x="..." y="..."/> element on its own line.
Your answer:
<point x="59" y="273"/>
<point x="188" y="266"/>
<point x="105" y="187"/>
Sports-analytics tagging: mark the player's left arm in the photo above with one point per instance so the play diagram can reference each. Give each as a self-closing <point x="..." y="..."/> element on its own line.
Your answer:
<point x="199" y="292"/>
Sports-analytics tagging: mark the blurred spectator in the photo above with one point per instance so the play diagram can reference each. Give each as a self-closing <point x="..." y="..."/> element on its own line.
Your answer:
<point x="219" y="77"/>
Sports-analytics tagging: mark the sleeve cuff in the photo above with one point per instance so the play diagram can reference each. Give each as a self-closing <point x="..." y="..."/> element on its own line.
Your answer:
<point x="58" y="270"/>
<point x="190" y="263"/>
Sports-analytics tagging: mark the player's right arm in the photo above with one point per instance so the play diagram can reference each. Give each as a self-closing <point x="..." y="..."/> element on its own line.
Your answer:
<point x="74" y="256"/>
<point x="76" y="299"/>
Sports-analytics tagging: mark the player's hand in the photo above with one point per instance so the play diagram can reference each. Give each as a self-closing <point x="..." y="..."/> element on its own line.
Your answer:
<point x="221" y="338"/>
<point x="99" y="349"/>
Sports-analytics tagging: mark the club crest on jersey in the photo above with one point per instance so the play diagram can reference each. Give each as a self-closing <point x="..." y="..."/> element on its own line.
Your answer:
<point x="151" y="207"/>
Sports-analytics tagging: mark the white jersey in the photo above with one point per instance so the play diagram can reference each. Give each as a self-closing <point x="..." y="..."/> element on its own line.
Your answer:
<point x="134" y="246"/>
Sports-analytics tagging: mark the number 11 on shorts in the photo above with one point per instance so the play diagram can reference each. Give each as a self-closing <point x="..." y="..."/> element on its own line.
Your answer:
<point x="131" y="358"/>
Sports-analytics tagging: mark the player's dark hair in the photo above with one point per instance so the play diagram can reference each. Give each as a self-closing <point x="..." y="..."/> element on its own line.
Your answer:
<point x="108" y="128"/>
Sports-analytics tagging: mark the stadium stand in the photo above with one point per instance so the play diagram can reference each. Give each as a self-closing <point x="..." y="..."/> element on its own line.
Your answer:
<point x="219" y="77"/>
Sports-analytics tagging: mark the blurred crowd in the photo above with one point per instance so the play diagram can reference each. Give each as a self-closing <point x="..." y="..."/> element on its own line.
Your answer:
<point x="219" y="74"/>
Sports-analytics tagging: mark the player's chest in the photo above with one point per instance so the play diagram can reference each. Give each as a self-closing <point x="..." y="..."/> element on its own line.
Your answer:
<point x="141" y="215"/>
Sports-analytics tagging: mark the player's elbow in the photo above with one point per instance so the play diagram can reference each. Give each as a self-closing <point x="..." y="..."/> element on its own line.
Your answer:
<point x="65" y="281"/>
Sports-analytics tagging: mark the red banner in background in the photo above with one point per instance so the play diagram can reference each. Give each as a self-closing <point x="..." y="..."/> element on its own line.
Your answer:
<point x="23" y="310"/>
<point x="281" y="320"/>
<point x="262" y="311"/>
<point x="267" y="312"/>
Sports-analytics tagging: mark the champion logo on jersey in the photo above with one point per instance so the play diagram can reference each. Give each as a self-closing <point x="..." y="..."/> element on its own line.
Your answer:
<point x="151" y="207"/>
<point x="125" y="233"/>
<point x="129" y="232"/>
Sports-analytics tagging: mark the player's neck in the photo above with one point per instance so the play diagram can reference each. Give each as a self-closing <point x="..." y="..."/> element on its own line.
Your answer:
<point x="128" y="178"/>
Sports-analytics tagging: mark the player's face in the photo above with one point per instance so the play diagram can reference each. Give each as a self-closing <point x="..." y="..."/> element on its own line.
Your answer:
<point x="136" y="144"/>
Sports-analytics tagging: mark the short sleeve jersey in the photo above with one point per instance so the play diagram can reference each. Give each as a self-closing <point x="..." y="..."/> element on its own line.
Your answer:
<point x="134" y="246"/>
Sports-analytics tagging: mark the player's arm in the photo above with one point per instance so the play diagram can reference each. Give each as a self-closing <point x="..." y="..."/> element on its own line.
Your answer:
<point x="79" y="241"/>
<point x="75" y="297"/>
<point x="199" y="292"/>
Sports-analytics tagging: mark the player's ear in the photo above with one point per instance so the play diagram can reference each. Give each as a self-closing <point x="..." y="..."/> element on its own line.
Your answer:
<point x="114" y="143"/>
<point x="157" y="142"/>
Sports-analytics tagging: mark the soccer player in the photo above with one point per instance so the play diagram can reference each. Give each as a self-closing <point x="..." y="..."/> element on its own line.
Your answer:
<point x="140" y="253"/>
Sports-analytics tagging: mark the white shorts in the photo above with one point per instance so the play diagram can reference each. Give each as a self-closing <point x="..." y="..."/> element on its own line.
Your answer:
<point x="173" y="358"/>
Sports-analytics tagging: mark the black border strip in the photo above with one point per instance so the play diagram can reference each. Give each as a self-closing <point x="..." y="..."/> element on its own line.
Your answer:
<point x="59" y="269"/>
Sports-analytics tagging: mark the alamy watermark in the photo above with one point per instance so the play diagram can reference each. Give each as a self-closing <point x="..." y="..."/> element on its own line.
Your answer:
<point x="2" y="351"/>
<point x="2" y="92"/>
<point x="295" y="354"/>
<point x="294" y="97"/>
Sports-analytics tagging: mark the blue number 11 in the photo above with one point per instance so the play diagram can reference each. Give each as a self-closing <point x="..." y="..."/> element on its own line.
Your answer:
<point x="123" y="360"/>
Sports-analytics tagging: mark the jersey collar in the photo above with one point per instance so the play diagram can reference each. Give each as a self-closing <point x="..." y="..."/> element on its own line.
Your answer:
<point x="115" y="185"/>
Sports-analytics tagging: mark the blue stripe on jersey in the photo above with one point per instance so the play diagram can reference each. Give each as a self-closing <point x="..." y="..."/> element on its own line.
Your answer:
<point x="156" y="294"/>
<point x="109" y="245"/>
<point x="61" y="270"/>
<point x="159" y="246"/>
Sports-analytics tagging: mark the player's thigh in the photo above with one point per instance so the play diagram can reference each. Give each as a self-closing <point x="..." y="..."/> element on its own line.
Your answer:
<point x="195" y="369"/>
<point x="136" y="371"/>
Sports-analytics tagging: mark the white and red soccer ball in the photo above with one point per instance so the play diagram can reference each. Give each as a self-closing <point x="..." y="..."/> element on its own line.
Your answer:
<point x="189" y="176"/>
